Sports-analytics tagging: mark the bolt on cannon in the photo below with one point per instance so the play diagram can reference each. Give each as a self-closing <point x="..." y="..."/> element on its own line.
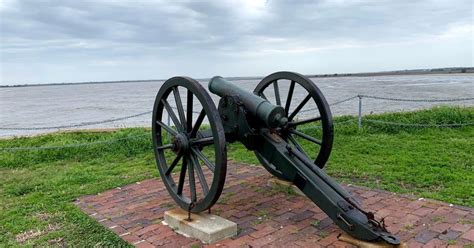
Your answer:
<point x="191" y="152"/>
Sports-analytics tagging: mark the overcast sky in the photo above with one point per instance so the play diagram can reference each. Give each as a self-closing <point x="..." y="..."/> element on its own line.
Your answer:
<point x="71" y="41"/>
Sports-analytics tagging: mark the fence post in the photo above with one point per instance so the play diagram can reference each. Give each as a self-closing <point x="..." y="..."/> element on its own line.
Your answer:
<point x="359" y="120"/>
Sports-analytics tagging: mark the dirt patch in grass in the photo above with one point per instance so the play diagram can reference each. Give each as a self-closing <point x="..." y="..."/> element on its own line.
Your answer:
<point x="33" y="234"/>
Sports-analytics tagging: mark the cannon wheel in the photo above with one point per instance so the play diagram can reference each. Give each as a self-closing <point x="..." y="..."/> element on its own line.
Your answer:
<point x="320" y="116"/>
<point x="182" y="148"/>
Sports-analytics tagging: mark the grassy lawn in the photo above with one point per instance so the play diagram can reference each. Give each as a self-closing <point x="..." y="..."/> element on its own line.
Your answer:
<point x="38" y="187"/>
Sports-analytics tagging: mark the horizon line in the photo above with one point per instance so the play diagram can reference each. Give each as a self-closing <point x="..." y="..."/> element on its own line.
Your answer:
<point x="442" y="70"/>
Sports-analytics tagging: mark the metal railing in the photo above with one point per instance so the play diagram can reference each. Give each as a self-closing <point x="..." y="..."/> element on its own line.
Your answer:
<point x="360" y="119"/>
<point x="359" y="115"/>
<point x="82" y="124"/>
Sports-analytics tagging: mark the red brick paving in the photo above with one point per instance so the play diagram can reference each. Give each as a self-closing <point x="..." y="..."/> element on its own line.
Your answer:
<point x="269" y="218"/>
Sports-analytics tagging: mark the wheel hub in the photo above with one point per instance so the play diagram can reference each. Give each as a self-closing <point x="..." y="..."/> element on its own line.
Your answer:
<point x="180" y="144"/>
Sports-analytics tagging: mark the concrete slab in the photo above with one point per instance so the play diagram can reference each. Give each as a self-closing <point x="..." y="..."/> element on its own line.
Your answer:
<point x="274" y="182"/>
<point x="208" y="228"/>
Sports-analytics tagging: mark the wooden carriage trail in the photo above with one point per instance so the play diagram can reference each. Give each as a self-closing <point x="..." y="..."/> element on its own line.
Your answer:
<point x="269" y="216"/>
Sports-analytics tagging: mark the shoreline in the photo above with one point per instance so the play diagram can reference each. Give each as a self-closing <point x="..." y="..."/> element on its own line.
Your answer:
<point x="468" y="71"/>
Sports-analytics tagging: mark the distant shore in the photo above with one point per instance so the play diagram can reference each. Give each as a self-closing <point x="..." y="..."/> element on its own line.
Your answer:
<point x="435" y="71"/>
<point x="401" y="73"/>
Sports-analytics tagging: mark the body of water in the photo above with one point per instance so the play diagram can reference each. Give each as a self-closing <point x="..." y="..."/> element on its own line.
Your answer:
<point x="56" y="105"/>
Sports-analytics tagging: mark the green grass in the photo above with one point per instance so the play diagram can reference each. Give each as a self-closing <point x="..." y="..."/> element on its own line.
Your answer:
<point x="38" y="187"/>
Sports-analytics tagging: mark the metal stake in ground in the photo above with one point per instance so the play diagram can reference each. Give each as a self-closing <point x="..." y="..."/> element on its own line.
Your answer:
<point x="359" y="116"/>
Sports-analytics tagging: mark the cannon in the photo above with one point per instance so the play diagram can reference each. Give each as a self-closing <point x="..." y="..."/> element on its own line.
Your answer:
<point x="191" y="153"/>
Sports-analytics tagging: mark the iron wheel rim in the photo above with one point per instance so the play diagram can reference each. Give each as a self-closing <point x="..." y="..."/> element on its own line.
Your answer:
<point x="192" y="204"/>
<point x="322" y="107"/>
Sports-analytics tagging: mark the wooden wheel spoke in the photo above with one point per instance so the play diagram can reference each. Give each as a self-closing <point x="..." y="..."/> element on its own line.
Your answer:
<point x="182" y="176"/>
<point x="192" y="180"/>
<point x="290" y="96"/>
<point x="262" y="95"/>
<point x="179" y="106"/>
<point x="172" y="114"/>
<point x="189" y="112"/>
<point x="173" y="164"/>
<point x="202" y="141"/>
<point x="297" y="145"/>
<point x="198" y="123"/>
<point x="277" y="93"/>
<point x="167" y="146"/>
<point x="296" y="123"/>
<point x="201" y="156"/>
<point x="305" y="136"/>
<point x="200" y="173"/>
<point x="167" y="128"/>
<point x="299" y="107"/>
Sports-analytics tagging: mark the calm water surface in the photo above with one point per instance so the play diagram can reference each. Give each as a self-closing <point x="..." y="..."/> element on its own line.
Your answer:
<point x="70" y="104"/>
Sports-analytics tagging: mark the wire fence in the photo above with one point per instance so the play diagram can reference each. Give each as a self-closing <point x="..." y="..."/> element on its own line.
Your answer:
<point x="417" y="100"/>
<point x="359" y="114"/>
<point x="82" y="124"/>
<point x="418" y="124"/>
<point x="332" y="104"/>
<point x="101" y="142"/>
<point x="359" y="120"/>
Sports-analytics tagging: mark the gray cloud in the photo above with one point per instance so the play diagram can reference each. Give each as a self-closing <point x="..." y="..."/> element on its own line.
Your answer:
<point x="109" y="40"/>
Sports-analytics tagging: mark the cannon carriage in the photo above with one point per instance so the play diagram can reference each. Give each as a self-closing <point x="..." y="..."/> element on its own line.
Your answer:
<point x="191" y="151"/>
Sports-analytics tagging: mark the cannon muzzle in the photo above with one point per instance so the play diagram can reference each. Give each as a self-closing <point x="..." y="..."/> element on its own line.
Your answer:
<point x="272" y="115"/>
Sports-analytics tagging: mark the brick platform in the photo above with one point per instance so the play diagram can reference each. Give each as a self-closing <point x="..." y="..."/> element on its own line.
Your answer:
<point x="273" y="217"/>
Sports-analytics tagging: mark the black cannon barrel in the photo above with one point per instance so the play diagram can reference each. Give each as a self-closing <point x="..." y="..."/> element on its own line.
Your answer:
<point x="272" y="115"/>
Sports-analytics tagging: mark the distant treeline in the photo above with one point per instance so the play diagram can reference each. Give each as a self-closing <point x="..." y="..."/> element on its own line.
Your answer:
<point x="359" y="74"/>
<point x="401" y="72"/>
